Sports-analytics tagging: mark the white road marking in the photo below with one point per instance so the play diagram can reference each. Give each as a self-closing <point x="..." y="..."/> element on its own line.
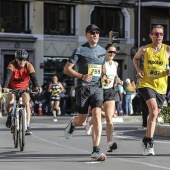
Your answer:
<point x="118" y="135"/>
<point x="147" y="164"/>
<point x="55" y="143"/>
<point x="125" y="160"/>
<point x="95" y="162"/>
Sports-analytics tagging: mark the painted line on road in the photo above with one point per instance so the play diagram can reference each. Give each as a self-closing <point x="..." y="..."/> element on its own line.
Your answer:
<point x="55" y="143"/>
<point x="118" y="135"/>
<point x="126" y="160"/>
<point x="147" y="164"/>
<point x="94" y="162"/>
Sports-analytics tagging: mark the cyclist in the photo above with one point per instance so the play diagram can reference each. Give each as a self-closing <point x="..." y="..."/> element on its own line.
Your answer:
<point x="18" y="74"/>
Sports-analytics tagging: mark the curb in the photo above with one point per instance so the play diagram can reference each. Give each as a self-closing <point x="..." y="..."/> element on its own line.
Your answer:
<point x="162" y="130"/>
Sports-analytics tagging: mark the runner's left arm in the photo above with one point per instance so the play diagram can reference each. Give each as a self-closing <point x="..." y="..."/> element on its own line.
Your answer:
<point x="34" y="81"/>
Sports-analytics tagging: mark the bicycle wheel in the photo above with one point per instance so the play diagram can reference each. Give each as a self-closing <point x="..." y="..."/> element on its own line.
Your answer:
<point x="21" y="129"/>
<point x="15" y="133"/>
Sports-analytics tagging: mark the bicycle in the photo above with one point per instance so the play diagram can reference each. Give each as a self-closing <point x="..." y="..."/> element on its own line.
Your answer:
<point x="18" y="118"/>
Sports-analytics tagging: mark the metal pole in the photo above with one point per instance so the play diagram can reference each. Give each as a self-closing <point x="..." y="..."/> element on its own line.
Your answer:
<point x="139" y="13"/>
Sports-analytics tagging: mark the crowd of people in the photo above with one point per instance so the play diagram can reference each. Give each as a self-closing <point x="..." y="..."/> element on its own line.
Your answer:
<point x="99" y="87"/>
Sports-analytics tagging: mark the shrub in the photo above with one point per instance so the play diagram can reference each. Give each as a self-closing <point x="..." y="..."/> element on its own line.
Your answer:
<point x="165" y="113"/>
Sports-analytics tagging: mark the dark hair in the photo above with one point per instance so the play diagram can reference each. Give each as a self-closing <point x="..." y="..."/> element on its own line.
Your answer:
<point x="108" y="46"/>
<point x="156" y="26"/>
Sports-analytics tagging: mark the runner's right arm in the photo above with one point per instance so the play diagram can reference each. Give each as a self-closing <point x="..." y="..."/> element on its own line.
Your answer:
<point x="8" y="75"/>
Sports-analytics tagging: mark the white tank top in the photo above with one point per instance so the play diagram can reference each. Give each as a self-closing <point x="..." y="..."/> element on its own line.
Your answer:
<point x="111" y="71"/>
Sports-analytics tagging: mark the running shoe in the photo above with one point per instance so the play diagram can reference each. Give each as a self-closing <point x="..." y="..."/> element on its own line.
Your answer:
<point x="68" y="132"/>
<point x="55" y="119"/>
<point x="8" y="122"/>
<point x="28" y="131"/>
<point x="147" y="148"/>
<point x="142" y="128"/>
<point x="111" y="147"/>
<point x="59" y="111"/>
<point x="98" y="156"/>
<point x="88" y="127"/>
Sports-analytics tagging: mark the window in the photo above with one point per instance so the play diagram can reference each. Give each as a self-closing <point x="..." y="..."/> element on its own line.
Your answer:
<point x="108" y="19"/>
<point x="59" y="19"/>
<point x="14" y="17"/>
<point x="54" y="67"/>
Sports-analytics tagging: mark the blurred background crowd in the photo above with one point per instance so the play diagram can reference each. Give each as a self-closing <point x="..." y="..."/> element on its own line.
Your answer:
<point x="128" y="100"/>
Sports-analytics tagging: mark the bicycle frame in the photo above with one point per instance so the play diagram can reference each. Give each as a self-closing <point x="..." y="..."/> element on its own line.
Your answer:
<point x="18" y="105"/>
<point x="19" y="114"/>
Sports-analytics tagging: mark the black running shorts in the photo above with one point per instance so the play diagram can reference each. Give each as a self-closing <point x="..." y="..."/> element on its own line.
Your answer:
<point x="109" y="94"/>
<point x="148" y="93"/>
<point x="88" y="96"/>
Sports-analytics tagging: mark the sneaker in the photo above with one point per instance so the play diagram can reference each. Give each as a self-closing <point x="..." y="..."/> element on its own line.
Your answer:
<point x="28" y="131"/>
<point x="55" y="119"/>
<point x="148" y="147"/>
<point x="88" y="127"/>
<point x="142" y="128"/>
<point x="111" y="147"/>
<point x="58" y="111"/>
<point x="98" y="156"/>
<point x="8" y="122"/>
<point x="69" y="129"/>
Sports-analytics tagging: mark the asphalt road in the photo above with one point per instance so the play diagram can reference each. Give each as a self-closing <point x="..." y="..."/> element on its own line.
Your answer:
<point x="47" y="149"/>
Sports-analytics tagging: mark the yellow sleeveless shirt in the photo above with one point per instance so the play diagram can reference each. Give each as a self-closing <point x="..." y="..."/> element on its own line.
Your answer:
<point x="154" y="68"/>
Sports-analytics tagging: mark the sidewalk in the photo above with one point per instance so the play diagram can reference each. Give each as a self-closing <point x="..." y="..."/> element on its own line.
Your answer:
<point x="160" y="130"/>
<point x="127" y="119"/>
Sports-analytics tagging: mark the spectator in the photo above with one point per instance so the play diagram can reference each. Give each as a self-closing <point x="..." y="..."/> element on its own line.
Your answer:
<point x="122" y="93"/>
<point x="145" y="111"/>
<point x="133" y="94"/>
<point x="72" y="95"/>
<point x="129" y="89"/>
<point x="136" y="104"/>
<point x="0" y="101"/>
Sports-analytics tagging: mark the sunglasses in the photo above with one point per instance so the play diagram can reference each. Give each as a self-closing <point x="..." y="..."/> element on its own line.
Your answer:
<point x="114" y="52"/>
<point x="22" y="59"/>
<point x="158" y="33"/>
<point x="94" y="32"/>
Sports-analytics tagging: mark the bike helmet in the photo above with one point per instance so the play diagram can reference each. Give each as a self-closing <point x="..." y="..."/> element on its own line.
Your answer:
<point x="21" y="53"/>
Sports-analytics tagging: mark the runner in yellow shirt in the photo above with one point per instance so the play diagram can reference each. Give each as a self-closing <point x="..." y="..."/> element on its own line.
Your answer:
<point x="153" y="81"/>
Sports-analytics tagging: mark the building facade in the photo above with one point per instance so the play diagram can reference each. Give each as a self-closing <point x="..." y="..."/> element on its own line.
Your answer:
<point x="50" y="30"/>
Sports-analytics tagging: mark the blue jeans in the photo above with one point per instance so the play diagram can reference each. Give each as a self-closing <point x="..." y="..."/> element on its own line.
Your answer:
<point x="127" y="104"/>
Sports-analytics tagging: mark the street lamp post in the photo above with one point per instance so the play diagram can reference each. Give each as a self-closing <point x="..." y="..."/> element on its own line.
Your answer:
<point x="139" y="13"/>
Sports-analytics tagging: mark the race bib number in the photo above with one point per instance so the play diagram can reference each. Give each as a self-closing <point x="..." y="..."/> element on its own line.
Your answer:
<point x="94" y="69"/>
<point x="154" y="73"/>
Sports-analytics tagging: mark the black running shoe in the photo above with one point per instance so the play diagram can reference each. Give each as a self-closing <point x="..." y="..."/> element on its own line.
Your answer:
<point x="111" y="147"/>
<point x="8" y="122"/>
